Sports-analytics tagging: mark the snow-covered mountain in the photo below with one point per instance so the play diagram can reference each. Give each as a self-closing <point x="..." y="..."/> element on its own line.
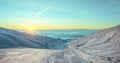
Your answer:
<point x="99" y="47"/>
<point x="13" y="39"/>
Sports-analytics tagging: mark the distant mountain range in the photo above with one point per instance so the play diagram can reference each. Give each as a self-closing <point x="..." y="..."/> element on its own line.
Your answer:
<point x="14" y="39"/>
<point x="99" y="47"/>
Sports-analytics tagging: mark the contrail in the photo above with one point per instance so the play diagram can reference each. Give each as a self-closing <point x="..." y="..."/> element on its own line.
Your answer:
<point x="43" y="11"/>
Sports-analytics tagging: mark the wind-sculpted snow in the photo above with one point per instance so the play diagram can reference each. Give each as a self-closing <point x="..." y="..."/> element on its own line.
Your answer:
<point x="12" y="39"/>
<point x="99" y="47"/>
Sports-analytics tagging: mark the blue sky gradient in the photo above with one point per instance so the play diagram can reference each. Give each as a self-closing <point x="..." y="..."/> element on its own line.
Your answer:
<point x="59" y="14"/>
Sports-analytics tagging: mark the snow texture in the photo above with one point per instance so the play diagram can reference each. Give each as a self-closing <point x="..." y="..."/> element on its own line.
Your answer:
<point x="99" y="47"/>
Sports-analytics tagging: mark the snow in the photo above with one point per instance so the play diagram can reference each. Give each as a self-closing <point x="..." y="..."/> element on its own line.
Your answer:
<point x="99" y="47"/>
<point x="23" y="55"/>
<point x="12" y="39"/>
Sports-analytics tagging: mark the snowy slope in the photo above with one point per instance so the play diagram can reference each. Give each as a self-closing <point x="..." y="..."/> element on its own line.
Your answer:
<point x="99" y="47"/>
<point x="23" y="55"/>
<point x="105" y="42"/>
<point x="12" y="39"/>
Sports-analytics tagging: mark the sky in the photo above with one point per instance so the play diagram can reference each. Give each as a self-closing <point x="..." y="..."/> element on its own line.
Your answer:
<point x="59" y="14"/>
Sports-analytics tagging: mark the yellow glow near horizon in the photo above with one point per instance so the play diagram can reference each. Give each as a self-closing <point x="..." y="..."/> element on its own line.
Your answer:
<point x="30" y="30"/>
<point x="32" y="27"/>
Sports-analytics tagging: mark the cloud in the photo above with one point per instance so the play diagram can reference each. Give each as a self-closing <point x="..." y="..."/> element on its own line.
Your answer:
<point x="44" y="10"/>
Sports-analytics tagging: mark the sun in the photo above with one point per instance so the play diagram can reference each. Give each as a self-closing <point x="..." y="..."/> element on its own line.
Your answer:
<point x="30" y="29"/>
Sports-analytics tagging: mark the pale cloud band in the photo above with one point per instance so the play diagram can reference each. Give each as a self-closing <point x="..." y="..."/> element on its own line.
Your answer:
<point x="43" y="11"/>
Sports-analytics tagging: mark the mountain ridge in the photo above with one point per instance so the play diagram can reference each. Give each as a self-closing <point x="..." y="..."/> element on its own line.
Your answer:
<point x="11" y="38"/>
<point x="100" y="47"/>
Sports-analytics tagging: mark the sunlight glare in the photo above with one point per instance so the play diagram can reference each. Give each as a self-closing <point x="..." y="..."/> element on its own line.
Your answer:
<point x="30" y="30"/>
